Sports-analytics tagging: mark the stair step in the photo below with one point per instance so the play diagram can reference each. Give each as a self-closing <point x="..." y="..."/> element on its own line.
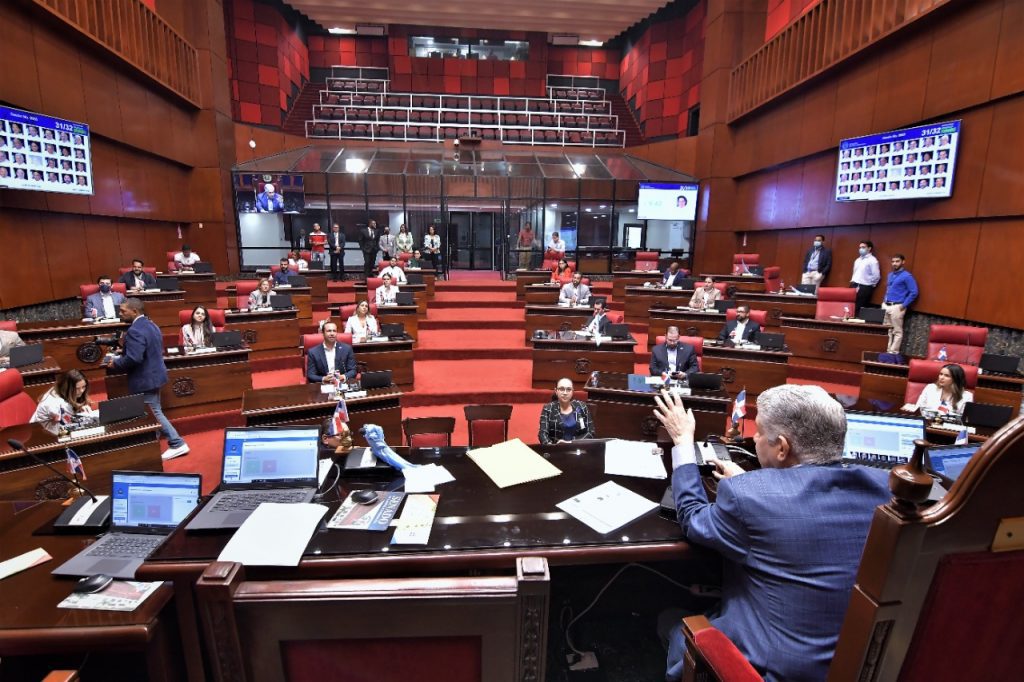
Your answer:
<point x="426" y="354"/>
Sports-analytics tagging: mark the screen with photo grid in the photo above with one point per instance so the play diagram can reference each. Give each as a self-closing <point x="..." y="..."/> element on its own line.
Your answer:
<point x="39" y="152"/>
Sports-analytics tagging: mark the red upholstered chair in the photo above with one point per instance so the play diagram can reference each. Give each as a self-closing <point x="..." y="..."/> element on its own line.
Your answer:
<point x="772" y="276"/>
<point x="614" y="318"/>
<point x="963" y="344"/>
<point x="243" y="288"/>
<point x="744" y="259"/>
<point x="646" y="260"/>
<point x="835" y="302"/>
<point x="759" y="316"/>
<point x="722" y="287"/>
<point x="347" y="311"/>
<point x="216" y="319"/>
<point x="924" y="372"/>
<point x="16" y="406"/>
<point x="403" y="259"/>
<point x="371" y="286"/>
<point x="9" y="325"/>
<point x="488" y="424"/>
<point x="145" y="268"/>
<point x="964" y="562"/>
<point x="311" y="340"/>
<point x="428" y="432"/>
<point x="171" y="265"/>
<point x="698" y="347"/>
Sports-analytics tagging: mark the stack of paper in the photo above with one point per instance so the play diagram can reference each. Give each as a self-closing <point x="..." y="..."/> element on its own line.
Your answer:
<point x="422" y="479"/>
<point x="607" y="507"/>
<point x="512" y="462"/>
<point x="633" y="458"/>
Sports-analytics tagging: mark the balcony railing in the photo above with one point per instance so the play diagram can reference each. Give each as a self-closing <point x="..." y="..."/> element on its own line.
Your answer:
<point x="828" y="33"/>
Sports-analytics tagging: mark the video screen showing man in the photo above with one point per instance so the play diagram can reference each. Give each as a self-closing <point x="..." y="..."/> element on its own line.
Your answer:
<point x="269" y="200"/>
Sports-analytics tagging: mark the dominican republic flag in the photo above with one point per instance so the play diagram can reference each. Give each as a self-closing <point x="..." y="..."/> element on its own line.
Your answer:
<point x="75" y="467"/>
<point x="65" y="416"/>
<point x="339" y="418"/>
<point x="739" y="406"/>
<point x="943" y="354"/>
<point x="961" y="438"/>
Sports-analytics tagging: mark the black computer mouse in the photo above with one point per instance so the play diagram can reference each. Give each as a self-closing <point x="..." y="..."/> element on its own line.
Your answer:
<point x="365" y="496"/>
<point x="92" y="583"/>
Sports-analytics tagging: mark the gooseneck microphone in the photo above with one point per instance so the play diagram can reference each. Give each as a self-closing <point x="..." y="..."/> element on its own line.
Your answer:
<point x="18" y="445"/>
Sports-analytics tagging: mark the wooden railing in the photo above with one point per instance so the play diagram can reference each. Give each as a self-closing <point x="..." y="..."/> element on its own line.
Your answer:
<point x="133" y="32"/>
<point x="828" y="33"/>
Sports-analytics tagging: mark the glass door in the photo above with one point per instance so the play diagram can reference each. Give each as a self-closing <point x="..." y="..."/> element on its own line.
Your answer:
<point x="473" y="237"/>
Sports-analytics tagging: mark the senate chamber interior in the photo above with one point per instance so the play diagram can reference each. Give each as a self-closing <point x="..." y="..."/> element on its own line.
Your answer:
<point x="578" y="340"/>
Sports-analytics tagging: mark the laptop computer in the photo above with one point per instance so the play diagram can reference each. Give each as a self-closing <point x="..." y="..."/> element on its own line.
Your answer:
<point x="872" y="315"/>
<point x="879" y="439"/>
<point x="168" y="284"/>
<point x="298" y="280"/>
<point x="281" y="302"/>
<point x="405" y="298"/>
<point x="687" y="283"/>
<point x="120" y="409"/>
<point x="722" y="306"/>
<point x="393" y="330"/>
<point x="29" y="354"/>
<point x="755" y="269"/>
<point x="146" y="506"/>
<point x="704" y="381"/>
<point x="806" y="288"/>
<point x="618" y="331"/>
<point x="771" y="341"/>
<point x="414" y="277"/>
<point x="261" y="464"/>
<point x="381" y="379"/>
<point x="949" y="460"/>
<point x="202" y="266"/>
<point x="990" y="362"/>
<point x="986" y="416"/>
<point x="228" y="339"/>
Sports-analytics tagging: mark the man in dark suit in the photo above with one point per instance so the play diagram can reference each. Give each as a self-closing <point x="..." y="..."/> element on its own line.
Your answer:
<point x="741" y="329"/>
<point x="817" y="262"/>
<point x="137" y="279"/>
<point x="368" y="245"/>
<point x="104" y="304"/>
<point x="673" y="275"/>
<point x="143" y="360"/>
<point x="678" y="359"/>
<point x="790" y="534"/>
<point x="331" y="359"/>
<point x="336" y="247"/>
<point x="598" y="324"/>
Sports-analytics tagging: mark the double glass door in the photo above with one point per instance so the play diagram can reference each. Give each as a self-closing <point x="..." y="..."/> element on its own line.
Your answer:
<point x="474" y="239"/>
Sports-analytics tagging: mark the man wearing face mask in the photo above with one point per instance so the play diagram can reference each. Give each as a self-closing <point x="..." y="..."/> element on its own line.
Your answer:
<point x="900" y="292"/>
<point x="866" y="274"/>
<point x="105" y="302"/>
<point x="817" y="262"/>
<point x="741" y="329"/>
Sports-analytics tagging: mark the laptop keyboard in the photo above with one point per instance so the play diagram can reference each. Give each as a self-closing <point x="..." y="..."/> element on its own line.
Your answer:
<point x="125" y="546"/>
<point x="249" y="500"/>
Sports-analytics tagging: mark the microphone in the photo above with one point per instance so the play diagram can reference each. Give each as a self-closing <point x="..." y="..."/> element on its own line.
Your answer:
<point x="18" y="445"/>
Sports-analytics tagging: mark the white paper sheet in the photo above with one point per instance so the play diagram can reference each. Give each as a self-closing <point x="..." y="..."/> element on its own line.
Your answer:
<point x="423" y="479"/>
<point x="633" y="458"/>
<point x="274" y="535"/>
<point x="23" y="561"/>
<point x="607" y="507"/>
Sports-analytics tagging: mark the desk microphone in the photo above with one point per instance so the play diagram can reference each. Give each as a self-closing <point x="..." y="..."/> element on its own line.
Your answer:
<point x="95" y="522"/>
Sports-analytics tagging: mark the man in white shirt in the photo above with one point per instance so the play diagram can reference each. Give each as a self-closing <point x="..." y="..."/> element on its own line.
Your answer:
<point x="556" y="243"/>
<point x="386" y="293"/>
<point x="396" y="273"/>
<point x="186" y="258"/>
<point x="866" y="274"/>
<point x="575" y="292"/>
<point x="598" y="324"/>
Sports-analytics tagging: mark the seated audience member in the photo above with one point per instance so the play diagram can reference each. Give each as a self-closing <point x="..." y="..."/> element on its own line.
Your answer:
<point x="65" y="404"/>
<point x="198" y="332"/>
<point x="362" y="325"/>
<point x="105" y="302"/>
<point x="556" y="244"/>
<point x="705" y="296"/>
<point x="416" y="262"/>
<point x="386" y="292"/>
<point x="673" y="275"/>
<point x="8" y="340"/>
<point x="397" y="274"/>
<point x="598" y="324"/>
<point x="284" y="270"/>
<point x="564" y="419"/>
<point x="741" y="329"/>
<point x="260" y="297"/>
<point x="137" y="279"/>
<point x="672" y="357"/>
<point x="297" y="262"/>
<point x="332" y="360"/>
<point x="562" y="272"/>
<point x="186" y="259"/>
<point x="947" y="395"/>
<point x="575" y="292"/>
<point x="790" y="534"/>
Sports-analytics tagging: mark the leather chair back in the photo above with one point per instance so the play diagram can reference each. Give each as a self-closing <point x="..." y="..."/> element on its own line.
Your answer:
<point x="759" y="316"/>
<point x="834" y="302"/>
<point x="696" y="341"/>
<point x="16" y="406"/>
<point x="87" y="290"/>
<point x="772" y="276"/>
<point x="963" y="344"/>
<point x="488" y="424"/>
<point x="646" y="260"/>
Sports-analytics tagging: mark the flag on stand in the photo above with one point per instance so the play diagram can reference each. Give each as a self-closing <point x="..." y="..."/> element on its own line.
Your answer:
<point x="340" y="417"/>
<point x="739" y="406"/>
<point x="961" y="438"/>
<point x="75" y="464"/>
<point x="943" y="354"/>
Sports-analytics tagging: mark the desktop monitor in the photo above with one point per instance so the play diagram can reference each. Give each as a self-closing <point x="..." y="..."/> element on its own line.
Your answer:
<point x="880" y="437"/>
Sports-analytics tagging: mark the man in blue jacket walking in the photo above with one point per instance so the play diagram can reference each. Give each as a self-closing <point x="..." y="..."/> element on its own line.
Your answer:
<point x="143" y="360"/>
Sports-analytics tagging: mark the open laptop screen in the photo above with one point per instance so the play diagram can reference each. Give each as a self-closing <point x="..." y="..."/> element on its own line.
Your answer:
<point x="142" y="500"/>
<point x="265" y="455"/>
<point x="881" y="437"/>
<point x="950" y="460"/>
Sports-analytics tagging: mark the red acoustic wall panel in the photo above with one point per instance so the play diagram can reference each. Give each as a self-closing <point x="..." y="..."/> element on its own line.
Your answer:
<point x="782" y="12"/>
<point x="584" y="61"/>
<point x="328" y="51"/>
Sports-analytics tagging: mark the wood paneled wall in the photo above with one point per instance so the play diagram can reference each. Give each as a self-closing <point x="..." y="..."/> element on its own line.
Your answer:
<point x="159" y="164"/>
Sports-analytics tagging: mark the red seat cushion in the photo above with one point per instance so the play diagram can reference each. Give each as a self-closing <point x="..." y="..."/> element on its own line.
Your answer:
<point x="16" y="406"/>
<point x="487" y="432"/>
<point x="428" y="440"/>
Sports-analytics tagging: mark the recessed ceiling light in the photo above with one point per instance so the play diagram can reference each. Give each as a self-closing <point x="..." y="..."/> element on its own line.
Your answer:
<point x="591" y="43"/>
<point x="338" y="30"/>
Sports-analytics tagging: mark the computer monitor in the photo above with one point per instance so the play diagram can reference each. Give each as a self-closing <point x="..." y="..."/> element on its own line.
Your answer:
<point x="723" y="305"/>
<point x="949" y="460"/>
<point x="267" y="454"/>
<point x="880" y="437"/>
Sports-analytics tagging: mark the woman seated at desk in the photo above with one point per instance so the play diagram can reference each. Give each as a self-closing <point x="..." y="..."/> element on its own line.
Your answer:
<point x="362" y="325"/>
<point x="260" y="297"/>
<point x="64" y="404"/>
<point x="198" y="331"/>
<point x="563" y="419"/>
<point x="562" y="272"/>
<point x="947" y="395"/>
<point x="386" y="293"/>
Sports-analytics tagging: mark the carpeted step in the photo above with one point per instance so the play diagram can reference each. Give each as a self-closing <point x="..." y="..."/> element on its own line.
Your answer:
<point x="468" y="381"/>
<point x="472" y="324"/>
<point x="463" y="285"/>
<point x="495" y="313"/>
<point x="489" y="344"/>
<point x="420" y="355"/>
<point x="463" y="301"/>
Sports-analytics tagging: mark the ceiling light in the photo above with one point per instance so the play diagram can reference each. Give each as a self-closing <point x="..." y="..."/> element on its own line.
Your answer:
<point x="591" y="43"/>
<point x="355" y="166"/>
<point x="338" y="30"/>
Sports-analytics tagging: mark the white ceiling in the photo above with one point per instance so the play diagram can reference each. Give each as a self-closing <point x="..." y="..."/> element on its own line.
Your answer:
<point x="589" y="19"/>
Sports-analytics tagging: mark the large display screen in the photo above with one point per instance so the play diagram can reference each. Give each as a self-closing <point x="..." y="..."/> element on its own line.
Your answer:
<point x="913" y="163"/>
<point x="667" y="201"/>
<point x="259" y="193"/>
<point x="43" y="153"/>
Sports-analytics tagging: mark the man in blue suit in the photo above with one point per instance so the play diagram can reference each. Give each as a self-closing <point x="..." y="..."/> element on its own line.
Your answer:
<point x="269" y="201"/>
<point x="675" y="358"/>
<point x="673" y="276"/>
<point x="740" y="329"/>
<point x="330" y="359"/>
<point x="143" y="360"/>
<point x="105" y="303"/>
<point x="790" y="534"/>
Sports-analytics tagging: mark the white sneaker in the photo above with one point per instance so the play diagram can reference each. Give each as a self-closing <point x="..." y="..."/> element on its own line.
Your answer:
<point x="171" y="453"/>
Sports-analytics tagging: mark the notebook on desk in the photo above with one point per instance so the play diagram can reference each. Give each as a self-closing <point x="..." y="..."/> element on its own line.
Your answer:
<point x="145" y="508"/>
<point x="167" y="284"/>
<point x="261" y="464"/>
<point x="771" y="341"/>
<point x="281" y="302"/>
<point x="704" y="381"/>
<point x="202" y="266"/>
<point x="393" y="330"/>
<point x="381" y="379"/>
<point x="298" y="280"/>
<point x="414" y="277"/>
<point x="226" y="340"/>
<point x="722" y="306"/>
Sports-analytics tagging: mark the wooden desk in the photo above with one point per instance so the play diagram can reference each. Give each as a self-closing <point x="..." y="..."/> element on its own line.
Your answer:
<point x="40" y="376"/>
<point x="301" y="297"/>
<point x="197" y="383"/>
<point x="779" y="305"/>
<point x="737" y="283"/>
<point x="133" y="645"/>
<point x="576" y="358"/>
<point x="429" y="277"/>
<point x="200" y="288"/>
<point x="162" y="307"/>
<point x="419" y="292"/>
<point x="640" y="299"/>
<point x="543" y="293"/>
<point x="305" y="404"/>
<point x="373" y="356"/>
<point x="71" y="343"/>
<point x="268" y="333"/>
<point x="131" y="444"/>
<point x="690" y="323"/>
<point x="624" y="407"/>
<point x="754" y="370"/>
<point x="833" y="343"/>
<point x="872" y="401"/>
<point x="525" y="278"/>
<point x="631" y="278"/>
<point x="555" y="318"/>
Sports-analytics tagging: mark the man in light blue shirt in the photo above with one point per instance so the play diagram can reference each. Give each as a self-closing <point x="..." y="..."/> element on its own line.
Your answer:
<point x="900" y="292"/>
